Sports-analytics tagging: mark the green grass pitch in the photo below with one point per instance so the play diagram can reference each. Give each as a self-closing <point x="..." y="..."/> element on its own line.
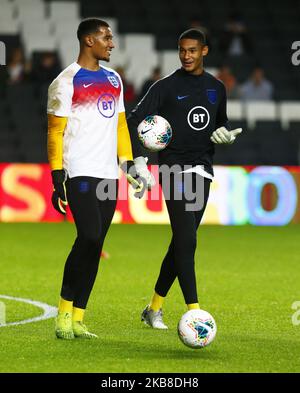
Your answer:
<point x="248" y="278"/>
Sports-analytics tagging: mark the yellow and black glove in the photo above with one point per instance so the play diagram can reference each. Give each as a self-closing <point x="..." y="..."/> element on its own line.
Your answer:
<point x="59" y="197"/>
<point x="137" y="182"/>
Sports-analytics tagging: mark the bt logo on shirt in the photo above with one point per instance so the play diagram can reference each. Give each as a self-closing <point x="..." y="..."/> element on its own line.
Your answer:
<point x="198" y="118"/>
<point x="106" y="105"/>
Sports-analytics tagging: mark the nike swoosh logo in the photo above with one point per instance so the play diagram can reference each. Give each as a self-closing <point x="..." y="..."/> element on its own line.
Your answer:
<point x="85" y="86"/>
<point x="145" y="132"/>
<point x="181" y="97"/>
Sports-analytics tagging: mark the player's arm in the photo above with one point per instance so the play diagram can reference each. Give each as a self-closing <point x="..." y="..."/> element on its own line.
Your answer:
<point x="124" y="142"/>
<point x="140" y="162"/>
<point x="56" y="127"/>
<point x="136" y="172"/>
<point x="222" y="135"/>
<point x="125" y="154"/>
<point x="149" y="105"/>
<point x="59" y="107"/>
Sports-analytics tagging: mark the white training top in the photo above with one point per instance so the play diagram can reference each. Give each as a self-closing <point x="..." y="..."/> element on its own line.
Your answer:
<point x="92" y="101"/>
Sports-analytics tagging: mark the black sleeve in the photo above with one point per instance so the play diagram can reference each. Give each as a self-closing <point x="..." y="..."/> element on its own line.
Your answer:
<point x="222" y="119"/>
<point x="149" y="105"/>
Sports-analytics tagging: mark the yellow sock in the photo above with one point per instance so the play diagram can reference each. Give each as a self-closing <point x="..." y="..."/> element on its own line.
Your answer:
<point x="78" y="314"/>
<point x="65" y="305"/>
<point x="193" y="306"/>
<point x="156" y="302"/>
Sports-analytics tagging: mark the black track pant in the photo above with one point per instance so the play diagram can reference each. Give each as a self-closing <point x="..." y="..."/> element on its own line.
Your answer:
<point x="179" y="260"/>
<point x="92" y="219"/>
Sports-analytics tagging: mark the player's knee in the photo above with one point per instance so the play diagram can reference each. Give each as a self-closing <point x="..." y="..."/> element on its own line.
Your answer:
<point x="91" y="241"/>
<point x="186" y="244"/>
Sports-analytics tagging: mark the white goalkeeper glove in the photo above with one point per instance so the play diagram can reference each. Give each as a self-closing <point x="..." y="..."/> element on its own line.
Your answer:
<point x="142" y="170"/>
<point x="223" y="136"/>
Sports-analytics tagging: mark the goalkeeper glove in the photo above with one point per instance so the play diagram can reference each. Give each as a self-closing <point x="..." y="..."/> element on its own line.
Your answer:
<point x="136" y="181"/>
<point x="142" y="170"/>
<point x="59" y="199"/>
<point x="222" y="135"/>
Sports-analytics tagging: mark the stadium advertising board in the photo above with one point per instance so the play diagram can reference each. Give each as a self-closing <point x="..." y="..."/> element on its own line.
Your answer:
<point x="262" y="195"/>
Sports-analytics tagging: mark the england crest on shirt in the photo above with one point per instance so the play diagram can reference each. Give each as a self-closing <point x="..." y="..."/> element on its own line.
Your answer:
<point x="114" y="81"/>
<point x="211" y="95"/>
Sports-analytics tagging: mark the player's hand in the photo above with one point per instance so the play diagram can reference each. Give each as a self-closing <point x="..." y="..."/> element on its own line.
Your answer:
<point x="223" y="136"/>
<point x="59" y="198"/>
<point x="142" y="170"/>
<point x="136" y="181"/>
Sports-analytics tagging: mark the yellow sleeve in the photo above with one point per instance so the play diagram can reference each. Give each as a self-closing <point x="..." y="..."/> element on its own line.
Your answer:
<point x="124" y="142"/>
<point x="56" y="128"/>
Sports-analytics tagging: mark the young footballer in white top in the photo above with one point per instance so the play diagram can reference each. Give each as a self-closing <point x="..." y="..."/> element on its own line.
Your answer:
<point x="87" y="136"/>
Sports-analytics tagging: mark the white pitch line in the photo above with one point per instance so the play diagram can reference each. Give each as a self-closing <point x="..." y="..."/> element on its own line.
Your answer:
<point x="48" y="311"/>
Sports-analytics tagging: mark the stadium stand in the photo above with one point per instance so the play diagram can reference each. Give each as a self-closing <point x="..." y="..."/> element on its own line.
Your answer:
<point x="146" y="36"/>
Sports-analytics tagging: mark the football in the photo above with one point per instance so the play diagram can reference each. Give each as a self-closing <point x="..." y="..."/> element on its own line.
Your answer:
<point x="197" y="328"/>
<point x="155" y="133"/>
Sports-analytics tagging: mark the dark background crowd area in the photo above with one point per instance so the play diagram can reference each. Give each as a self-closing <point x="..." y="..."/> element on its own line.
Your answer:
<point x="250" y="51"/>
